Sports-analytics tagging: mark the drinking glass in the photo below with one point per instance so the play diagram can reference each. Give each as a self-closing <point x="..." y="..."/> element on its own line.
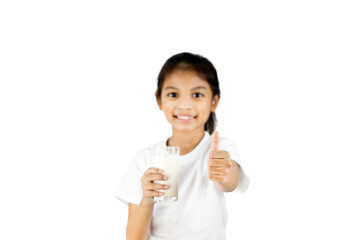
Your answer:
<point x="167" y="158"/>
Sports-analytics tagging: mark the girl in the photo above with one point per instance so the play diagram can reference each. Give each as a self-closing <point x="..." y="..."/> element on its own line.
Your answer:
<point x="188" y="94"/>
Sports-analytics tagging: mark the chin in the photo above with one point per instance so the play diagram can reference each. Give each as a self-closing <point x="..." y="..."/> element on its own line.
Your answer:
<point x="187" y="128"/>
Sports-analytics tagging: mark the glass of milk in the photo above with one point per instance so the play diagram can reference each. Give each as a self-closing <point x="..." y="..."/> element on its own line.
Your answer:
<point x="167" y="158"/>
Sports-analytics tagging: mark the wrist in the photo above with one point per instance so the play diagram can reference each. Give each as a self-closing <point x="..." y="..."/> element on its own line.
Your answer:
<point x="223" y="187"/>
<point x="147" y="201"/>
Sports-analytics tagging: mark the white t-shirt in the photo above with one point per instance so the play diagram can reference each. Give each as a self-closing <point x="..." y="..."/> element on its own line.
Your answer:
<point x="200" y="211"/>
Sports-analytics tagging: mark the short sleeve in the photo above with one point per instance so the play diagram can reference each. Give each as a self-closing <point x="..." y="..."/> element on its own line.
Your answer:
<point x="129" y="188"/>
<point x="227" y="145"/>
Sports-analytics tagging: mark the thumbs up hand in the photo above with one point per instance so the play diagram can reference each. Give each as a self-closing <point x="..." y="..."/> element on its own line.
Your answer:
<point x="219" y="162"/>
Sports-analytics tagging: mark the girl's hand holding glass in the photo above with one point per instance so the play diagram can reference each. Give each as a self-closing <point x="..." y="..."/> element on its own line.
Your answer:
<point x="149" y="188"/>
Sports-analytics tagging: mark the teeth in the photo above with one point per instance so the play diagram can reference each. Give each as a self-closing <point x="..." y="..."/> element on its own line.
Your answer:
<point x="184" y="117"/>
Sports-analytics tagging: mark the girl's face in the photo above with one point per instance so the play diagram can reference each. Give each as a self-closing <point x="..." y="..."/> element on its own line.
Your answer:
<point x="186" y="100"/>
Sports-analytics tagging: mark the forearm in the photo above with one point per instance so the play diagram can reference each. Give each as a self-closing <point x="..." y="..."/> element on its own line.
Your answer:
<point x="232" y="180"/>
<point x="139" y="224"/>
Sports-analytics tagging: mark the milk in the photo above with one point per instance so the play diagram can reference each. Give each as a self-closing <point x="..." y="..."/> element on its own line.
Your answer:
<point x="169" y="162"/>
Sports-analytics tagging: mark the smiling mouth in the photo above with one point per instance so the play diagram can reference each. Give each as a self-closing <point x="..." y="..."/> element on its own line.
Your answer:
<point x="185" y="117"/>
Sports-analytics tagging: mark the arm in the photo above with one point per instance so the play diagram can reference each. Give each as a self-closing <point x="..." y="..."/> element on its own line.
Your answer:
<point x="223" y="171"/>
<point x="139" y="220"/>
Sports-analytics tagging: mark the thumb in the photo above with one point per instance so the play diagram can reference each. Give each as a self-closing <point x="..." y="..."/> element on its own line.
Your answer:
<point x="215" y="141"/>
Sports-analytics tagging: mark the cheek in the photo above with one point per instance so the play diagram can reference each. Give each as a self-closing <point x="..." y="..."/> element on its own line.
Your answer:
<point x="205" y="108"/>
<point x="167" y="108"/>
<point x="204" y="113"/>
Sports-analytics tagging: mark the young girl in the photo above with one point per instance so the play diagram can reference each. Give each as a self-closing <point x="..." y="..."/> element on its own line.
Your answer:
<point x="188" y="93"/>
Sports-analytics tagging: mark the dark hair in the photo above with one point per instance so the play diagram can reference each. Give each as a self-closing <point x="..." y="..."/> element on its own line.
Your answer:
<point x="205" y="70"/>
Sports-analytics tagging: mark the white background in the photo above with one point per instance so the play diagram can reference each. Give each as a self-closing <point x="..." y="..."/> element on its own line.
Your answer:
<point x="77" y="101"/>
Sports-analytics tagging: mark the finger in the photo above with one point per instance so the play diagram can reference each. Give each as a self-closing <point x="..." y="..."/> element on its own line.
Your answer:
<point x="218" y="171"/>
<point x="219" y="163"/>
<point x="153" y="170"/>
<point x="155" y="186"/>
<point x="216" y="178"/>
<point x="153" y="177"/>
<point x="215" y="141"/>
<point x="220" y="154"/>
<point x="152" y="193"/>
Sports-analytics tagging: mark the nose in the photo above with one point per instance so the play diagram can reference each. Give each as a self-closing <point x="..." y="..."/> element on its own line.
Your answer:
<point x="185" y="103"/>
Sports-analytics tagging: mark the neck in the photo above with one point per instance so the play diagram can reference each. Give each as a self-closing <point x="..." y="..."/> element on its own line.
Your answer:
<point x="187" y="141"/>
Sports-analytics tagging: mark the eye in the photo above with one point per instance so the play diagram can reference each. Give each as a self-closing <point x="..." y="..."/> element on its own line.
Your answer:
<point x="172" y="94"/>
<point x="198" y="95"/>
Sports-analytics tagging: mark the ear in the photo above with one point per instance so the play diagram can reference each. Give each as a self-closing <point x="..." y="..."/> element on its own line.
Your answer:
<point x="158" y="100"/>
<point x="215" y="102"/>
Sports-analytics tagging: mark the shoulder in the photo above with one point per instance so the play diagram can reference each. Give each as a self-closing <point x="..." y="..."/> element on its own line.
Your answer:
<point x="225" y="142"/>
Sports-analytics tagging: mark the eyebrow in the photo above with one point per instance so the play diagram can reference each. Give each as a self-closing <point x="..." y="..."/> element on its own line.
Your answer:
<point x="195" y="88"/>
